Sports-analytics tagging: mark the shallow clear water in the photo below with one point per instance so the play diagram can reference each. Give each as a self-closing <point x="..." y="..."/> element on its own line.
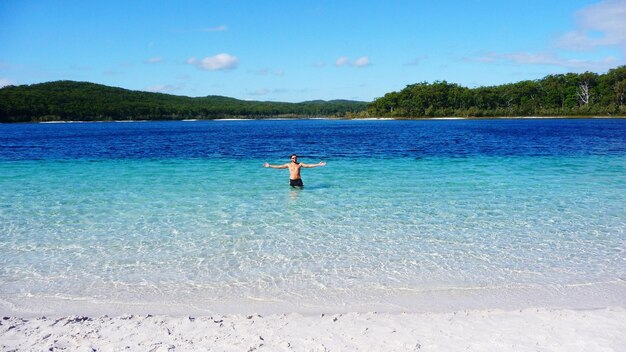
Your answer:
<point x="183" y="213"/>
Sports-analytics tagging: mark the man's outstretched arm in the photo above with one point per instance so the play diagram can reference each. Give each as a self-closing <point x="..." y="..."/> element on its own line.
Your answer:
<point x="321" y="163"/>
<point x="284" y="166"/>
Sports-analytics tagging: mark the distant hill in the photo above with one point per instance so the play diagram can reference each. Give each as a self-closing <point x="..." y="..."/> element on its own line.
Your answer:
<point x="570" y="94"/>
<point x="73" y="101"/>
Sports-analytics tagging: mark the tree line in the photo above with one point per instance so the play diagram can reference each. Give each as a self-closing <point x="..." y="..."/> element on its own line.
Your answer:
<point x="82" y="101"/>
<point x="570" y="94"/>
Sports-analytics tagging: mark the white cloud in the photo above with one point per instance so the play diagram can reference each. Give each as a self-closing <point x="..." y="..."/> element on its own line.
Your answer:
<point x="549" y="59"/>
<point x="598" y="25"/>
<point x="161" y="88"/>
<point x="416" y="61"/>
<point x="267" y="72"/>
<point x="79" y="68"/>
<point x="259" y="92"/>
<point x="221" y="28"/>
<point x="599" y="28"/>
<point x="154" y="60"/>
<point x="261" y="72"/>
<point x="362" y="61"/>
<point x="554" y="60"/>
<point x="533" y="59"/>
<point x="342" y="61"/>
<point x="6" y="82"/>
<point x="219" y="62"/>
<point x="487" y="58"/>
<point x="268" y="91"/>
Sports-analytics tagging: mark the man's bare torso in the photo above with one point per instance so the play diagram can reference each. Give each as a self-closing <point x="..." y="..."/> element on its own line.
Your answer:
<point x="294" y="170"/>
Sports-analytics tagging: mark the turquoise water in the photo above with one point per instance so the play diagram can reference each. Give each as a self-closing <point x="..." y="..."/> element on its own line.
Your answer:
<point x="394" y="233"/>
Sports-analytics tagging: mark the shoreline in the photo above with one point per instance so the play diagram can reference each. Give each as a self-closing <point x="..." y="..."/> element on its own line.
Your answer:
<point x="531" y="329"/>
<point x="451" y="118"/>
<point x="584" y="296"/>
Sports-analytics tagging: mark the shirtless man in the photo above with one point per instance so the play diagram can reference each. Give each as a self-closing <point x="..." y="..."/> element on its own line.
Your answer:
<point x="294" y="169"/>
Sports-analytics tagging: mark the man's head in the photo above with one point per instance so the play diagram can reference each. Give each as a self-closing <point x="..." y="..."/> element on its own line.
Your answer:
<point x="294" y="158"/>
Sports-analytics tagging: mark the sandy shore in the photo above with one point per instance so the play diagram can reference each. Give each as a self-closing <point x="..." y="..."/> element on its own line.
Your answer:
<point x="471" y="330"/>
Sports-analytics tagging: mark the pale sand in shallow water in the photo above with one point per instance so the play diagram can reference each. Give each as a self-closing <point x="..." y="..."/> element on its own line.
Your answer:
<point x="471" y="330"/>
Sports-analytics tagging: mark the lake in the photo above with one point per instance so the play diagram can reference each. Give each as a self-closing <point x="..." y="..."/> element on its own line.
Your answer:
<point x="181" y="217"/>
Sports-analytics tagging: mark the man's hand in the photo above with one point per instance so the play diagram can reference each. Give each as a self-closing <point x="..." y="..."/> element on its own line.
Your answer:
<point x="266" y="165"/>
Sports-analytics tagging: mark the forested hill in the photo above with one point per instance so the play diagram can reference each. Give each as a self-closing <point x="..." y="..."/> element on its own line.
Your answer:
<point x="69" y="100"/>
<point x="569" y="94"/>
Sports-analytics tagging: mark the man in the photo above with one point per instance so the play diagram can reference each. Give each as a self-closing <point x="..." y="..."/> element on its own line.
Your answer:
<point x="294" y="170"/>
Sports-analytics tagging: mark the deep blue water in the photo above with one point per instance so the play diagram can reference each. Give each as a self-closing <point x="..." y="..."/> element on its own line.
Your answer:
<point x="315" y="138"/>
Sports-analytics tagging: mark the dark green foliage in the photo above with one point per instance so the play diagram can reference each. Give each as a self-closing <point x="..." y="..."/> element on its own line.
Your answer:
<point x="555" y="95"/>
<point x="569" y="94"/>
<point x="72" y="101"/>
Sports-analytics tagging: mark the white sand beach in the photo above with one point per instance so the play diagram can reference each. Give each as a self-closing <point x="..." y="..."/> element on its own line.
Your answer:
<point x="469" y="330"/>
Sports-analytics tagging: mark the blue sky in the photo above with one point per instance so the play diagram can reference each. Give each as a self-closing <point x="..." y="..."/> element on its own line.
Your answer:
<point x="303" y="50"/>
